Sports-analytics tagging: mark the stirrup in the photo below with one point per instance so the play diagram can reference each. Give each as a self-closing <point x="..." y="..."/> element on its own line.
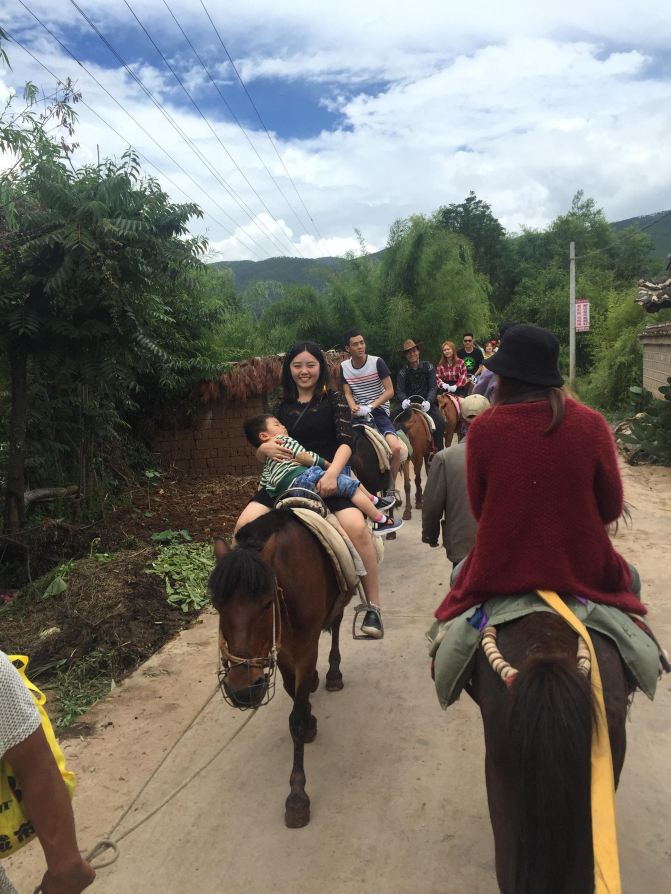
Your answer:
<point x="364" y="608"/>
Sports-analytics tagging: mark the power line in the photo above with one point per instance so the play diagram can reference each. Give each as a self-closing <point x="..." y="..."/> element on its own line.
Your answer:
<point x="258" y="115"/>
<point x="145" y="131"/>
<point x="597" y="251"/>
<point x="235" y="118"/>
<point x="170" y="119"/>
<point x="237" y="121"/>
<point x="121" y="137"/>
<point x="18" y="239"/>
<point x="207" y="122"/>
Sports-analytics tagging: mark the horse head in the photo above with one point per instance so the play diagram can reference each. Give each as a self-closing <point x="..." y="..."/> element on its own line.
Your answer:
<point x="246" y="596"/>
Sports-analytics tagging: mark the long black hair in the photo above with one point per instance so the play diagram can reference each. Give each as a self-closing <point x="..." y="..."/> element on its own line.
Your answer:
<point x="289" y="389"/>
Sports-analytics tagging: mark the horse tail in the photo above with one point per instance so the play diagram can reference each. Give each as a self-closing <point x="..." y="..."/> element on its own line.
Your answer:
<point x="551" y="718"/>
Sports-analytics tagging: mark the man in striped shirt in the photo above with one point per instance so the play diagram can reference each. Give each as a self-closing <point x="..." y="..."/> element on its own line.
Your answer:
<point x="367" y="386"/>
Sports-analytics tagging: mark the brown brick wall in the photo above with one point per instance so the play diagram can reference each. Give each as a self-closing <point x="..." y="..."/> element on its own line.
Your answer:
<point x="214" y="443"/>
<point x="656" y="361"/>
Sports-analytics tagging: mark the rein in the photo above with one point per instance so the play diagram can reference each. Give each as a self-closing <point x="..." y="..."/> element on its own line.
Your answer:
<point x="228" y="661"/>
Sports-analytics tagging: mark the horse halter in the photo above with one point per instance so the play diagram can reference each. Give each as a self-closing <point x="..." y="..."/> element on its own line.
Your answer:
<point x="227" y="661"/>
<point x="508" y="673"/>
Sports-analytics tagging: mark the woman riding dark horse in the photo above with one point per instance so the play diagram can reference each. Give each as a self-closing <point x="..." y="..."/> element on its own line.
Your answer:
<point x="319" y="418"/>
<point x="543" y="483"/>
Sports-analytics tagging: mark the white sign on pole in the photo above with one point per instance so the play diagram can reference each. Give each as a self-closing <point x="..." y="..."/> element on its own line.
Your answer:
<point x="582" y="315"/>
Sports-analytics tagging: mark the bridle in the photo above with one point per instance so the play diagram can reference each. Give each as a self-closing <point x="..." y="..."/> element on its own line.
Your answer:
<point x="508" y="673"/>
<point x="268" y="665"/>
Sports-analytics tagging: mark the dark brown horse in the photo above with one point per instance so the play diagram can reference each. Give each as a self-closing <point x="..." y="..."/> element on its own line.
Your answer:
<point x="537" y="765"/>
<point x="414" y="425"/>
<point x="275" y="592"/>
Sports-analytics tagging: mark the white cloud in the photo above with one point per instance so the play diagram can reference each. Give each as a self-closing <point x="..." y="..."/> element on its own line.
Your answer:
<point x="520" y="103"/>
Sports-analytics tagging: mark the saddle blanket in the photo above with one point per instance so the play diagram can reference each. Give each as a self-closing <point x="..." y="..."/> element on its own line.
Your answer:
<point x="453" y="644"/>
<point x="346" y="560"/>
<point x="382" y="449"/>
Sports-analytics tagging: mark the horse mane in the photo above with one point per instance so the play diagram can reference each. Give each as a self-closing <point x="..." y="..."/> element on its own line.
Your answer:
<point x="242" y="568"/>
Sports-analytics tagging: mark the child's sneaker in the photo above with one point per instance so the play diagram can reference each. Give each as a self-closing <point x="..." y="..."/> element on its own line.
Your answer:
<point x="384" y="527"/>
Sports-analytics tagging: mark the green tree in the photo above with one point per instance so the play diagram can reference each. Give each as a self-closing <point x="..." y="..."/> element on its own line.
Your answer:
<point x="96" y="265"/>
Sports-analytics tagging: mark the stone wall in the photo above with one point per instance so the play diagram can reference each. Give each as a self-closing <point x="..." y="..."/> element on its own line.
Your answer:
<point x="656" y="341"/>
<point x="212" y="442"/>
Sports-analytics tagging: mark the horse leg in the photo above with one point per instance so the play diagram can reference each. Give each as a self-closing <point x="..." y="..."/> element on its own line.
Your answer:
<point x="407" y="512"/>
<point x="334" y="677"/>
<point x="418" y="482"/>
<point x="303" y="727"/>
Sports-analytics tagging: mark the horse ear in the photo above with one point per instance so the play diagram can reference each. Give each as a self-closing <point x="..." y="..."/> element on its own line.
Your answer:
<point x="221" y="548"/>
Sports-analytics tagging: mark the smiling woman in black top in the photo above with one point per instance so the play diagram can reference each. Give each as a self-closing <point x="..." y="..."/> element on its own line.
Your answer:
<point x="319" y="419"/>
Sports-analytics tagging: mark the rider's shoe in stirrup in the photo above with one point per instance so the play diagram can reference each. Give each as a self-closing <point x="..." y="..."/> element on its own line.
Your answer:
<point x="387" y="501"/>
<point x="384" y="527"/>
<point x="372" y="625"/>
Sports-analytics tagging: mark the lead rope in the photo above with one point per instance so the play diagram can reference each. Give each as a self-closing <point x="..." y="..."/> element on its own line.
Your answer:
<point x="109" y="843"/>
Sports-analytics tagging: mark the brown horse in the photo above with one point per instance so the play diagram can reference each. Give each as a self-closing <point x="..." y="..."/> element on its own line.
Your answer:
<point x="537" y="765"/>
<point x="450" y="414"/>
<point x="275" y="592"/>
<point x="413" y="424"/>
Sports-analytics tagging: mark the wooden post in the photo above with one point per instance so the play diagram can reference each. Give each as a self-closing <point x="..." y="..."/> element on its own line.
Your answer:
<point x="571" y="325"/>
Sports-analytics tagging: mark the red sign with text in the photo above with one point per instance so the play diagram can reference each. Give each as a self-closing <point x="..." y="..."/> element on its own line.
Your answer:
<point x="582" y="315"/>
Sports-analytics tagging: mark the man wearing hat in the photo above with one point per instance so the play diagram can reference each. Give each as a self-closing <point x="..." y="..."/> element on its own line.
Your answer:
<point x="446" y="498"/>
<point x="418" y="377"/>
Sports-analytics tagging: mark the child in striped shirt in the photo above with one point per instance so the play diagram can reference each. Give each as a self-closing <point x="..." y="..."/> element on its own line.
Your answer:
<point x="306" y="468"/>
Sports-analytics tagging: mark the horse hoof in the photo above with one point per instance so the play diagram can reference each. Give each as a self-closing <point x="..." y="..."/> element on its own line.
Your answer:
<point x="335" y="684"/>
<point x="297" y="812"/>
<point x="311" y="733"/>
<point x="407" y="515"/>
<point x="391" y="536"/>
<point x="315" y="683"/>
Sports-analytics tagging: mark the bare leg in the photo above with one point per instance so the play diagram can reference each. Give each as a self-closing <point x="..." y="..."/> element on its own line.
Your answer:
<point x="357" y="531"/>
<point x="251" y="512"/>
<point x="395" y="461"/>
<point x="365" y="504"/>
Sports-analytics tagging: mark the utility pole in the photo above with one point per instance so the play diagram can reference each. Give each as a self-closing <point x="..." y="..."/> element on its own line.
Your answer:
<point x="571" y="325"/>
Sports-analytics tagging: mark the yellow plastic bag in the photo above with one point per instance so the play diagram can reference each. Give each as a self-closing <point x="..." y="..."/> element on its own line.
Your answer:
<point x="15" y="829"/>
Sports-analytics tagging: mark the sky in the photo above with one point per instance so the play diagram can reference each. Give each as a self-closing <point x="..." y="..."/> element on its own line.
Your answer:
<point x="361" y="112"/>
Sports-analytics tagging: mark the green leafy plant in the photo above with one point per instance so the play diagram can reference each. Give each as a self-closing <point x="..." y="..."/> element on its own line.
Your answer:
<point x="170" y="536"/>
<point x="59" y="581"/>
<point x="185" y="568"/>
<point x="651" y="430"/>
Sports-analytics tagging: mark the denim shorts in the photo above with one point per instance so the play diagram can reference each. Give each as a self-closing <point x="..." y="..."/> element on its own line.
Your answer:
<point x="382" y="422"/>
<point x="346" y="486"/>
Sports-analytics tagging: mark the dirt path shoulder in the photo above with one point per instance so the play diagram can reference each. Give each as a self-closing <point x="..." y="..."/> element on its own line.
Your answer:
<point x="397" y="786"/>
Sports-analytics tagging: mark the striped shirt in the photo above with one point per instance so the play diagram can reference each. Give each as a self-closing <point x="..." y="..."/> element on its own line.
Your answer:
<point x="278" y="474"/>
<point x="366" y="381"/>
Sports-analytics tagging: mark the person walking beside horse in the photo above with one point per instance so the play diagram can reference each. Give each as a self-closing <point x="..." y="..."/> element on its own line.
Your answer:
<point x="418" y="378"/>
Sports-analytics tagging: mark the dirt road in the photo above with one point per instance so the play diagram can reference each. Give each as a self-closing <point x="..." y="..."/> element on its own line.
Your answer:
<point x="397" y="785"/>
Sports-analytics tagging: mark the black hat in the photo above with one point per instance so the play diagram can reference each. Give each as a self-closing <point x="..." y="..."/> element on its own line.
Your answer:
<point x="528" y="354"/>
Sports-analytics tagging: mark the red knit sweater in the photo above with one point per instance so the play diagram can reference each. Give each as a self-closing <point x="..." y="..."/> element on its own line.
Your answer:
<point x="542" y="503"/>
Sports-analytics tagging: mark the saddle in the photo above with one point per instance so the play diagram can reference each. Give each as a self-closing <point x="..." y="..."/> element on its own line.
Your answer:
<point x="427" y="420"/>
<point x="346" y="560"/>
<point x="382" y="449"/>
